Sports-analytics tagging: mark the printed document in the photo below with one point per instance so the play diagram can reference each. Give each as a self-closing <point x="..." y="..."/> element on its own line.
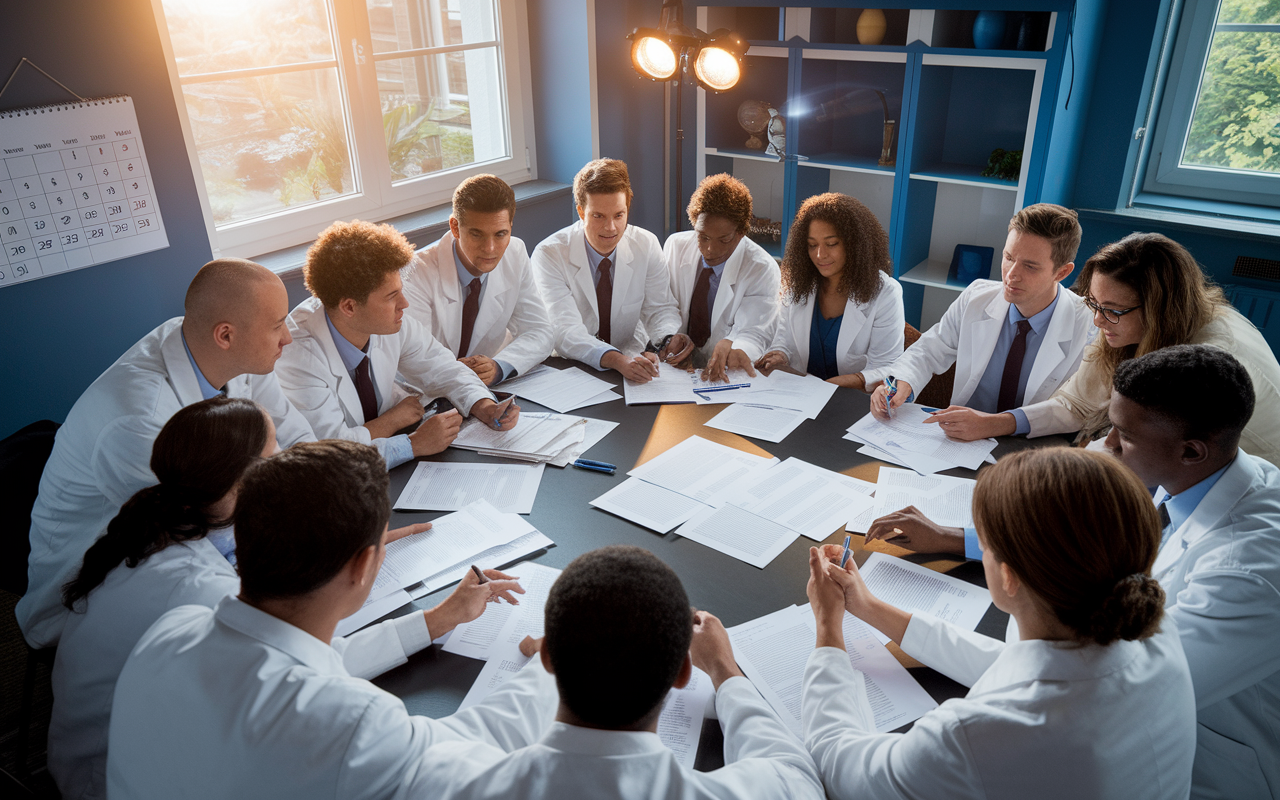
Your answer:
<point x="908" y="437"/>
<point x="647" y="504"/>
<point x="671" y="386"/>
<point x="945" y="500"/>
<point x="757" y="421"/>
<point x="700" y="469"/>
<point x="560" y="389"/>
<point x="738" y="533"/>
<point x="920" y="590"/>
<point x="449" y="486"/>
<point x="493" y="558"/>
<point x="503" y="622"/>
<point x="809" y="500"/>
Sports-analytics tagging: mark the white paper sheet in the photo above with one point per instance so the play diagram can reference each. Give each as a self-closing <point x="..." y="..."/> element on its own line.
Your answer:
<point x="700" y="469"/>
<point x="647" y="504"/>
<point x="373" y="609"/>
<point x="505" y="663"/>
<point x="738" y="533"/>
<point x="593" y="432"/>
<point x="449" y="486"/>
<point x="799" y="496"/>
<point x="559" y="389"/>
<point x="534" y="434"/>
<point x="804" y="393"/>
<point x="501" y="622"/>
<point x="671" y="386"/>
<point x="943" y="499"/>
<point x="493" y="558"/>
<point x="907" y="437"/>
<point x="604" y="397"/>
<point x="774" y="649"/>
<point x="920" y="590"/>
<point x="757" y="421"/>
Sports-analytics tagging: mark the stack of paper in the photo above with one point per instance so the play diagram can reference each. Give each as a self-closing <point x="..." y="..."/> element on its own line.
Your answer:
<point x="445" y="486"/>
<point x="909" y="440"/>
<point x="921" y="590"/>
<point x="674" y="385"/>
<point x="556" y="439"/>
<point x="774" y="649"/>
<point x="561" y="389"/>
<point x="806" y="394"/>
<point x="943" y="499"/>
<point x="505" y="623"/>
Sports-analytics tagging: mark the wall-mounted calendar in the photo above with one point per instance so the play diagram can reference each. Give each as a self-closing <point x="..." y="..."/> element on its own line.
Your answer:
<point x="75" y="190"/>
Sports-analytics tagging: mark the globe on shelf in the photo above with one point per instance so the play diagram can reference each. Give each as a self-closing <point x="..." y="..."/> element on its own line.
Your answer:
<point x="753" y="117"/>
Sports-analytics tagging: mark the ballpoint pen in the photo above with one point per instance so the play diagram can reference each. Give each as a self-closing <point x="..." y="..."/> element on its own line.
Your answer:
<point x="725" y="388"/>
<point x="479" y="575"/>
<point x="892" y="384"/>
<point x="594" y="468"/>
<point x="601" y="464"/>
<point x="844" y="557"/>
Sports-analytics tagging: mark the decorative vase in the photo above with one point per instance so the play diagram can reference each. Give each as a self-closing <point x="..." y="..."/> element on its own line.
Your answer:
<point x="871" y="26"/>
<point x="988" y="30"/>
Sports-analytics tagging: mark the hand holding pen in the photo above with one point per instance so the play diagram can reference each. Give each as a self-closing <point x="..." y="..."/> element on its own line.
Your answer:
<point x="891" y="386"/>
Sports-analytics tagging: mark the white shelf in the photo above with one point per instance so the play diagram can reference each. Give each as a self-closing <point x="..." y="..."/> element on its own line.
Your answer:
<point x="713" y="151"/>
<point x="932" y="272"/>
<point x="981" y="183"/>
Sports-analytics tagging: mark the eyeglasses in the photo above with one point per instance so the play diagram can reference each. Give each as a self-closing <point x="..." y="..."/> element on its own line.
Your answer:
<point x="1111" y="315"/>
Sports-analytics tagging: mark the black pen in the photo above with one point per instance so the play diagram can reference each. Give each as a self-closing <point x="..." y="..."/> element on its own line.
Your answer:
<point x="479" y="575"/>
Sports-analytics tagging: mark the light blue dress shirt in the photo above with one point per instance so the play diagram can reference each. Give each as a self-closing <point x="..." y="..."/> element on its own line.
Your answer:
<point x="1182" y="505"/>
<point x="985" y="397"/>
<point x="207" y="389"/>
<point x="594" y="259"/>
<point x="395" y="450"/>
<point x="465" y="278"/>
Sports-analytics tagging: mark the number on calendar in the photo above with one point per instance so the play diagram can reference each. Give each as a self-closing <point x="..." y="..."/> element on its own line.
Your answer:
<point x="114" y="209"/>
<point x="20" y="270"/>
<point x="12" y="231"/>
<point x="96" y="233"/>
<point x="106" y="171"/>
<point x="66" y="219"/>
<point x="70" y="238"/>
<point x="44" y="244"/>
<point x="111" y="190"/>
<point x="144" y="223"/>
<point x="120" y="227"/>
<point x="18" y="249"/>
<point x="130" y="168"/>
<point x="90" y="214"/>
<point x="135" y="184"/>
<point x="85" y="195"/>
<point x="39" y="224"/>
<point x="139" y="205"/>
<point x="26" y="186"/>
<point x="32" y="205"/>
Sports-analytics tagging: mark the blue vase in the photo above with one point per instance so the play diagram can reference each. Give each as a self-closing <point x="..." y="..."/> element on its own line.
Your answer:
<point x="988" y="30"/>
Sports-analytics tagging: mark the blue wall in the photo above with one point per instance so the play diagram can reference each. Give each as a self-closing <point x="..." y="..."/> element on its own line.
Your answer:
<point x="561" y="86"/>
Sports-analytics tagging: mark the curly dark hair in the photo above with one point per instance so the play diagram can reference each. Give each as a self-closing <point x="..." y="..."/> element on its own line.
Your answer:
<point x="352" y="259"/>
<point x="866" y="248"/>
<point x="722" y="195"/>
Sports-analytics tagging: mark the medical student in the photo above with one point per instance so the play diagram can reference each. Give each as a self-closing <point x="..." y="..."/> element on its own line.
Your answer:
<point x="843" y="311"/>
<point x="1013" y="342"/>
<point x="227" y="343"/>
<point x="253" y="698"/>
<point x="1177" y="417"/>
<point x="474" y="289"/>
<point x="1095" y="699"/>
<point x="351" y="338"/>
<point x="619" y="635"/>
<point x="605" y="284"/>
<point x="170" y="545"/>
<point x="725" y="285"/>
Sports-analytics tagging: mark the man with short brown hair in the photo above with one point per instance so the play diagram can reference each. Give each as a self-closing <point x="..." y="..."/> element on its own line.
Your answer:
<point x="605" y="283"/>
<point x="474" y="288"/>
<point x="350" y="339"/>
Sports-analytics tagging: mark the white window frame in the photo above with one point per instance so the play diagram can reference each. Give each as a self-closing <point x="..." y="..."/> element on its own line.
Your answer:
<point x="1164" y="173"/>
<point x="375" y="197"/>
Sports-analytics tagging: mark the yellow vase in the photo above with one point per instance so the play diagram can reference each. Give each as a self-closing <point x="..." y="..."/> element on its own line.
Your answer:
<point x="871" y="26"/>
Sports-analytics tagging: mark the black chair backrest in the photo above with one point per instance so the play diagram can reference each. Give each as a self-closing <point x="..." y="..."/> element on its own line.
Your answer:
<point x="22" y="459"/>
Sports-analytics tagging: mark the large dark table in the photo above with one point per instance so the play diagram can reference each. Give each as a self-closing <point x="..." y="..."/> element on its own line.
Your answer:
<point x="434" y="682"/>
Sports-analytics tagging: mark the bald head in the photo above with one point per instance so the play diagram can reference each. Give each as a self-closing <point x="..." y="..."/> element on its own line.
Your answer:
<point x="228" y="290"/>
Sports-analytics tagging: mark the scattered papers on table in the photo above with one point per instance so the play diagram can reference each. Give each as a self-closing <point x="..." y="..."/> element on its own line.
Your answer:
<point x="555" y="439"/>
<point x="448" y="486"/>
<point x="806" y="499"/>
<point x="737" y="532"/>
<point x="920" y="590"/>
<point x="774" y="649"/>
<point x="807" y="394"/>
<point x="757" y="421"/>
<point x="504" y="623"/>
<point x="374" y="608"/>
<point x="561" y="389"/>
<point x="909" y="440"/>
<point x="647" y="504"/>
<point x="700" y="469"/>
<point x="493" y="558"/>
<point x="943" y="499"/>
<point x="673" y="385"/>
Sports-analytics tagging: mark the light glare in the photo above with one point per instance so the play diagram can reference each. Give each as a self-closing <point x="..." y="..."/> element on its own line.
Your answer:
<point x="717" y="68"/>
<point x="654" y="58"/>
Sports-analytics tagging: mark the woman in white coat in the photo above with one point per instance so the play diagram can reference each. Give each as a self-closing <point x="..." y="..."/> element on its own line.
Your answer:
<point x="842" y="313"/>
<point x="1094" y="701"/>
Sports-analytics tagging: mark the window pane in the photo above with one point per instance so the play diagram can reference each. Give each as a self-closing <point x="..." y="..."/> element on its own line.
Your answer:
<point x="1254" y="11"/>
<point x="441" y="112"/>
<point x="411" y="24"/>
<point x="239" y="34"/>
<point x="269" y="144"/>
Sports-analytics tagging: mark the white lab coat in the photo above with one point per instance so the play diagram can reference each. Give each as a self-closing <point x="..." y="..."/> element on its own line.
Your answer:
<point x="512" y="323"/>
<point x="1041" y="720"/>
<point x="643" y="309"/>
<point x="318" y="384"/>
<point x="871" y="335"/>
<point x="746" y="305"/>
<point x="102" y="457"/>
<point x="966" y="336"/>
<point x="762" y="760"/>
<point x="235" y="703"/>
<point x="1221" y="575"/>
<point x="97" y="640"/>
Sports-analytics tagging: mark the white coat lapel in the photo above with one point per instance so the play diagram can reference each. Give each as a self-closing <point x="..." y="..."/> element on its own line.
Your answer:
<point x="443" y="278"/>
<point x="347" y="394"/>
<point x="624" y="272"/>
<point x="986" y="330"/>
<point x="854" y="319"/>
<point x="1217" y="503"/>
<point x="1058" y="332"/>
<point x="801" y="322"/>
<point x="728" y="284"/>
<point x="581" y="269"/>
<point x="181" y="376"/>
<point x="493" y="309"/>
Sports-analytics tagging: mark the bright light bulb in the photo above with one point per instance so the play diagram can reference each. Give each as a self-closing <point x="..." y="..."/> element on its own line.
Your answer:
<point x="717" y="68"/>
<point x="654" y="58"/>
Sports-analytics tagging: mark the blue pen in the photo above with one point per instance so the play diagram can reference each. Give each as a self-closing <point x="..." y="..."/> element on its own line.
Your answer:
<point x="724" y="388"/>
<point x="602" y="464"/>
<point x="606" y="471"/>
<point x="892" y="383"/>
<point x="844" y="557"/>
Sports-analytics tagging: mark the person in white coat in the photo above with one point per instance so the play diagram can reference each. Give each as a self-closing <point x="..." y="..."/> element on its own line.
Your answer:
<point x="1094" y="701"/>
<point x="474" y="289"/>
<point x="843" y="312"/>
<point x="725" y="285"/>
<point x="1013" y="342"/>
<point x="350" y="340"/>
<point x="228" y="341"/>
<point x="605" y="284"/>
<point x="1177" y="416"/>
<point x="619" y="631"/>
<point x="253" y="698"/>
<point x="169" y="546"/>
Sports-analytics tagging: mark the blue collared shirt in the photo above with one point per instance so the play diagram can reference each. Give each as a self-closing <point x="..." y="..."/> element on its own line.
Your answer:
<point x="395" y="450"/>
<point x="594" y="259"/>
<point x="985" y="397"/>
<point x="465" y="278"/>
<point x="1183" y="504"/>
<point x="206" y="389"/>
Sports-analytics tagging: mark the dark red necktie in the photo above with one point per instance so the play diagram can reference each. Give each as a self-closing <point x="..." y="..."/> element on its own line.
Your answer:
<point x="699" y="314"/>
<point x="364" y="388"/>
<point x="470" y="308"/>
<point x="604" y="300"/>
<point x="1008" y="397"/>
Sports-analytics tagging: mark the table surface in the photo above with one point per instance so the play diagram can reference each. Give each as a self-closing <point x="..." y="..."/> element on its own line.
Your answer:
<point x="434" y="682"/>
